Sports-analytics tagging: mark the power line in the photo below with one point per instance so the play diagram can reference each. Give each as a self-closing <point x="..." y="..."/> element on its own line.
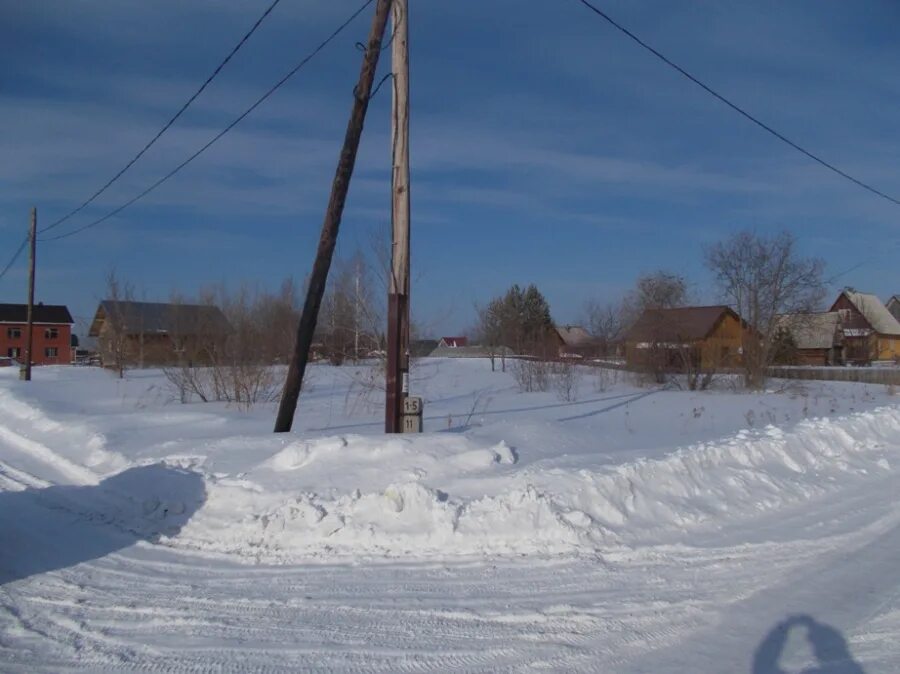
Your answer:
<point x="737" y="108"/>
<point x="15" y="257"/>
<point x="215" y="138"/>
<point x="168" y="124"/>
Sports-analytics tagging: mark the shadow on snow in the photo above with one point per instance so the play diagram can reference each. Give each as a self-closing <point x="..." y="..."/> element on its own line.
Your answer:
<point x="829" y="648"/>
<point x="60" y="526"/>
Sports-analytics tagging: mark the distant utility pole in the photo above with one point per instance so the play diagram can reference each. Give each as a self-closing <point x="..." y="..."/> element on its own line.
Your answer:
<point x="397" y="384"/>
<point x="332" y="223"/>
<point x="25" y="372"/>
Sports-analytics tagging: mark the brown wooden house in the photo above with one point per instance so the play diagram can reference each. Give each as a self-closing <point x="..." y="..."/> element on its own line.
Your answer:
<point x="705" y="338"/>
<point x="148" y="334"/>
<point x="870" y="332"/>
<point x="809" y="339"/>
<point x="573" y="341"/>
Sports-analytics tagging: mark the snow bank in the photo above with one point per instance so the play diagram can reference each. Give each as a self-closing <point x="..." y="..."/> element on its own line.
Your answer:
<point x="442" y="495"/>
<point x="83" y="454"/>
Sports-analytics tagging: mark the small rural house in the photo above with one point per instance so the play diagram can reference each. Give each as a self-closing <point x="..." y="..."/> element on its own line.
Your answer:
<point x="573" y="341"/>
<point x="453" y="342"/>
<point x="707" y="338"/>
<point x="814" y="339"/>
<point x="51" y="336"/>
<point x="147" y="334"/>
<point x="870" y="332"/>
<point x="893" y="305"/>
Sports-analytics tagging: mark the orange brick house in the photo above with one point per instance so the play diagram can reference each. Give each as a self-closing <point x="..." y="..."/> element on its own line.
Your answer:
<point x="51" y="336"/>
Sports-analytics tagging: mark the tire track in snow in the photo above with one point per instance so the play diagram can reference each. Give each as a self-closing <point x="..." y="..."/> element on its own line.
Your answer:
<point x="17" y="480"/>
<point x="43" y="454"/>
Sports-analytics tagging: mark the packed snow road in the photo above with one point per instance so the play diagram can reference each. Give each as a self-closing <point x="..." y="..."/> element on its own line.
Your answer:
<point x="142" y="535"/>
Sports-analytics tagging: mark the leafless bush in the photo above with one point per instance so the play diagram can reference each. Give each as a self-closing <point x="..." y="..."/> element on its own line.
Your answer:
<point x="604" y="379"/>
<point x="566" y="380"/>
<point x="532" y="375"/>
<point x="367" y="386"/>
<point x="232" y="363"/>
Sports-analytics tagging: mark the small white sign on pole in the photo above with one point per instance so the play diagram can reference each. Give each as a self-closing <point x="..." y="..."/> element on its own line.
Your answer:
<point x="411" y="419"/>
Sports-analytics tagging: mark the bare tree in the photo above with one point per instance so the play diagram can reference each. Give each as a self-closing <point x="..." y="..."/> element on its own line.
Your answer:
<point x="351" y="316"/>
<point x="114" y="340"/>
<point x="661" y="290"/>
<point x="606" y="322"/>
<point x="489" y="332"/>
<point x="763" y="277"/>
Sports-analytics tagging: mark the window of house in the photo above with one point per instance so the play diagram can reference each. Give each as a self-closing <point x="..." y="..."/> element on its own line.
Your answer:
<point x="51" y="333"/>
<point x="14" y="333"/>
<point x="13" y="352"/>
<point x="51" y="352"/>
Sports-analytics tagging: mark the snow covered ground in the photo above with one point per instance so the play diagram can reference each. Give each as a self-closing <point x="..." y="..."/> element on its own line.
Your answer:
<point x="631" y="530"/>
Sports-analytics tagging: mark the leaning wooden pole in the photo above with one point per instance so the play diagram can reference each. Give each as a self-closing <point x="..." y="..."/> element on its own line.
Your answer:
<point x="29" y="330"/>
<point x="397" y="379"/>
<point x="332" y="222"/>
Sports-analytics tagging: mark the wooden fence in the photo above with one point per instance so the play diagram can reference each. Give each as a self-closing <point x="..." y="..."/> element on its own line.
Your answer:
<point x="862" y="375"/>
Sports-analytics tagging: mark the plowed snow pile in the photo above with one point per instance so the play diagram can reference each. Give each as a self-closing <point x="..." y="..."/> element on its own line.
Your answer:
<point x="446" y="495"/>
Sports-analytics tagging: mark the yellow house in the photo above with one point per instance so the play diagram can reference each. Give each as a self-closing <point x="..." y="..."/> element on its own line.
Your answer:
<point x="870" y="331"/>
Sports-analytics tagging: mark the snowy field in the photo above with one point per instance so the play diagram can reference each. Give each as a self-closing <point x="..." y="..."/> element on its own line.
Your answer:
<point x="630" y="530"/>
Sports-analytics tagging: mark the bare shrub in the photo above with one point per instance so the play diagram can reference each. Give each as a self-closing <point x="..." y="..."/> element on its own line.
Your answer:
<point x="367" y="387"/>
<point x="232" y="363"/>
<point x="566" y="377"/>
<point x="532" y="375"/>
<point x="604" y="379"/>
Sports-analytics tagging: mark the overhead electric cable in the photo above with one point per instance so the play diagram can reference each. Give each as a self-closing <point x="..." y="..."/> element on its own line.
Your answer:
<point x="219" y="135"/>
<point x="735" y="107"/>
<point x="15" y="257"/>
<point x="171" y="121"/>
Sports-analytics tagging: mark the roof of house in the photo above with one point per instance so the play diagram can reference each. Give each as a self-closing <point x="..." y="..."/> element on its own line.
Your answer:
<point x="455" y="341"/>
<point x="158" y="317"/>
<point x="812" y="331"/>
<point x="893" y="305"/>
<point x="677" y="325"/>
<point x="878" y="316"/>
<point x="422" y="347"/>
<point x="574" y="335"/>
<point x="43" y="313"/>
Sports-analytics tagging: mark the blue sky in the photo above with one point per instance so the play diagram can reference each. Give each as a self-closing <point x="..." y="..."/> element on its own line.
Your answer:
<point x="546" y="147"/>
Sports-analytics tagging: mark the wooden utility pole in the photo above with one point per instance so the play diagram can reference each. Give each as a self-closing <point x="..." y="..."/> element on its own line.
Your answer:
<point x="25" y="372"/>
<point x="397" y="384"/>
<point x="332" y="222"/>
